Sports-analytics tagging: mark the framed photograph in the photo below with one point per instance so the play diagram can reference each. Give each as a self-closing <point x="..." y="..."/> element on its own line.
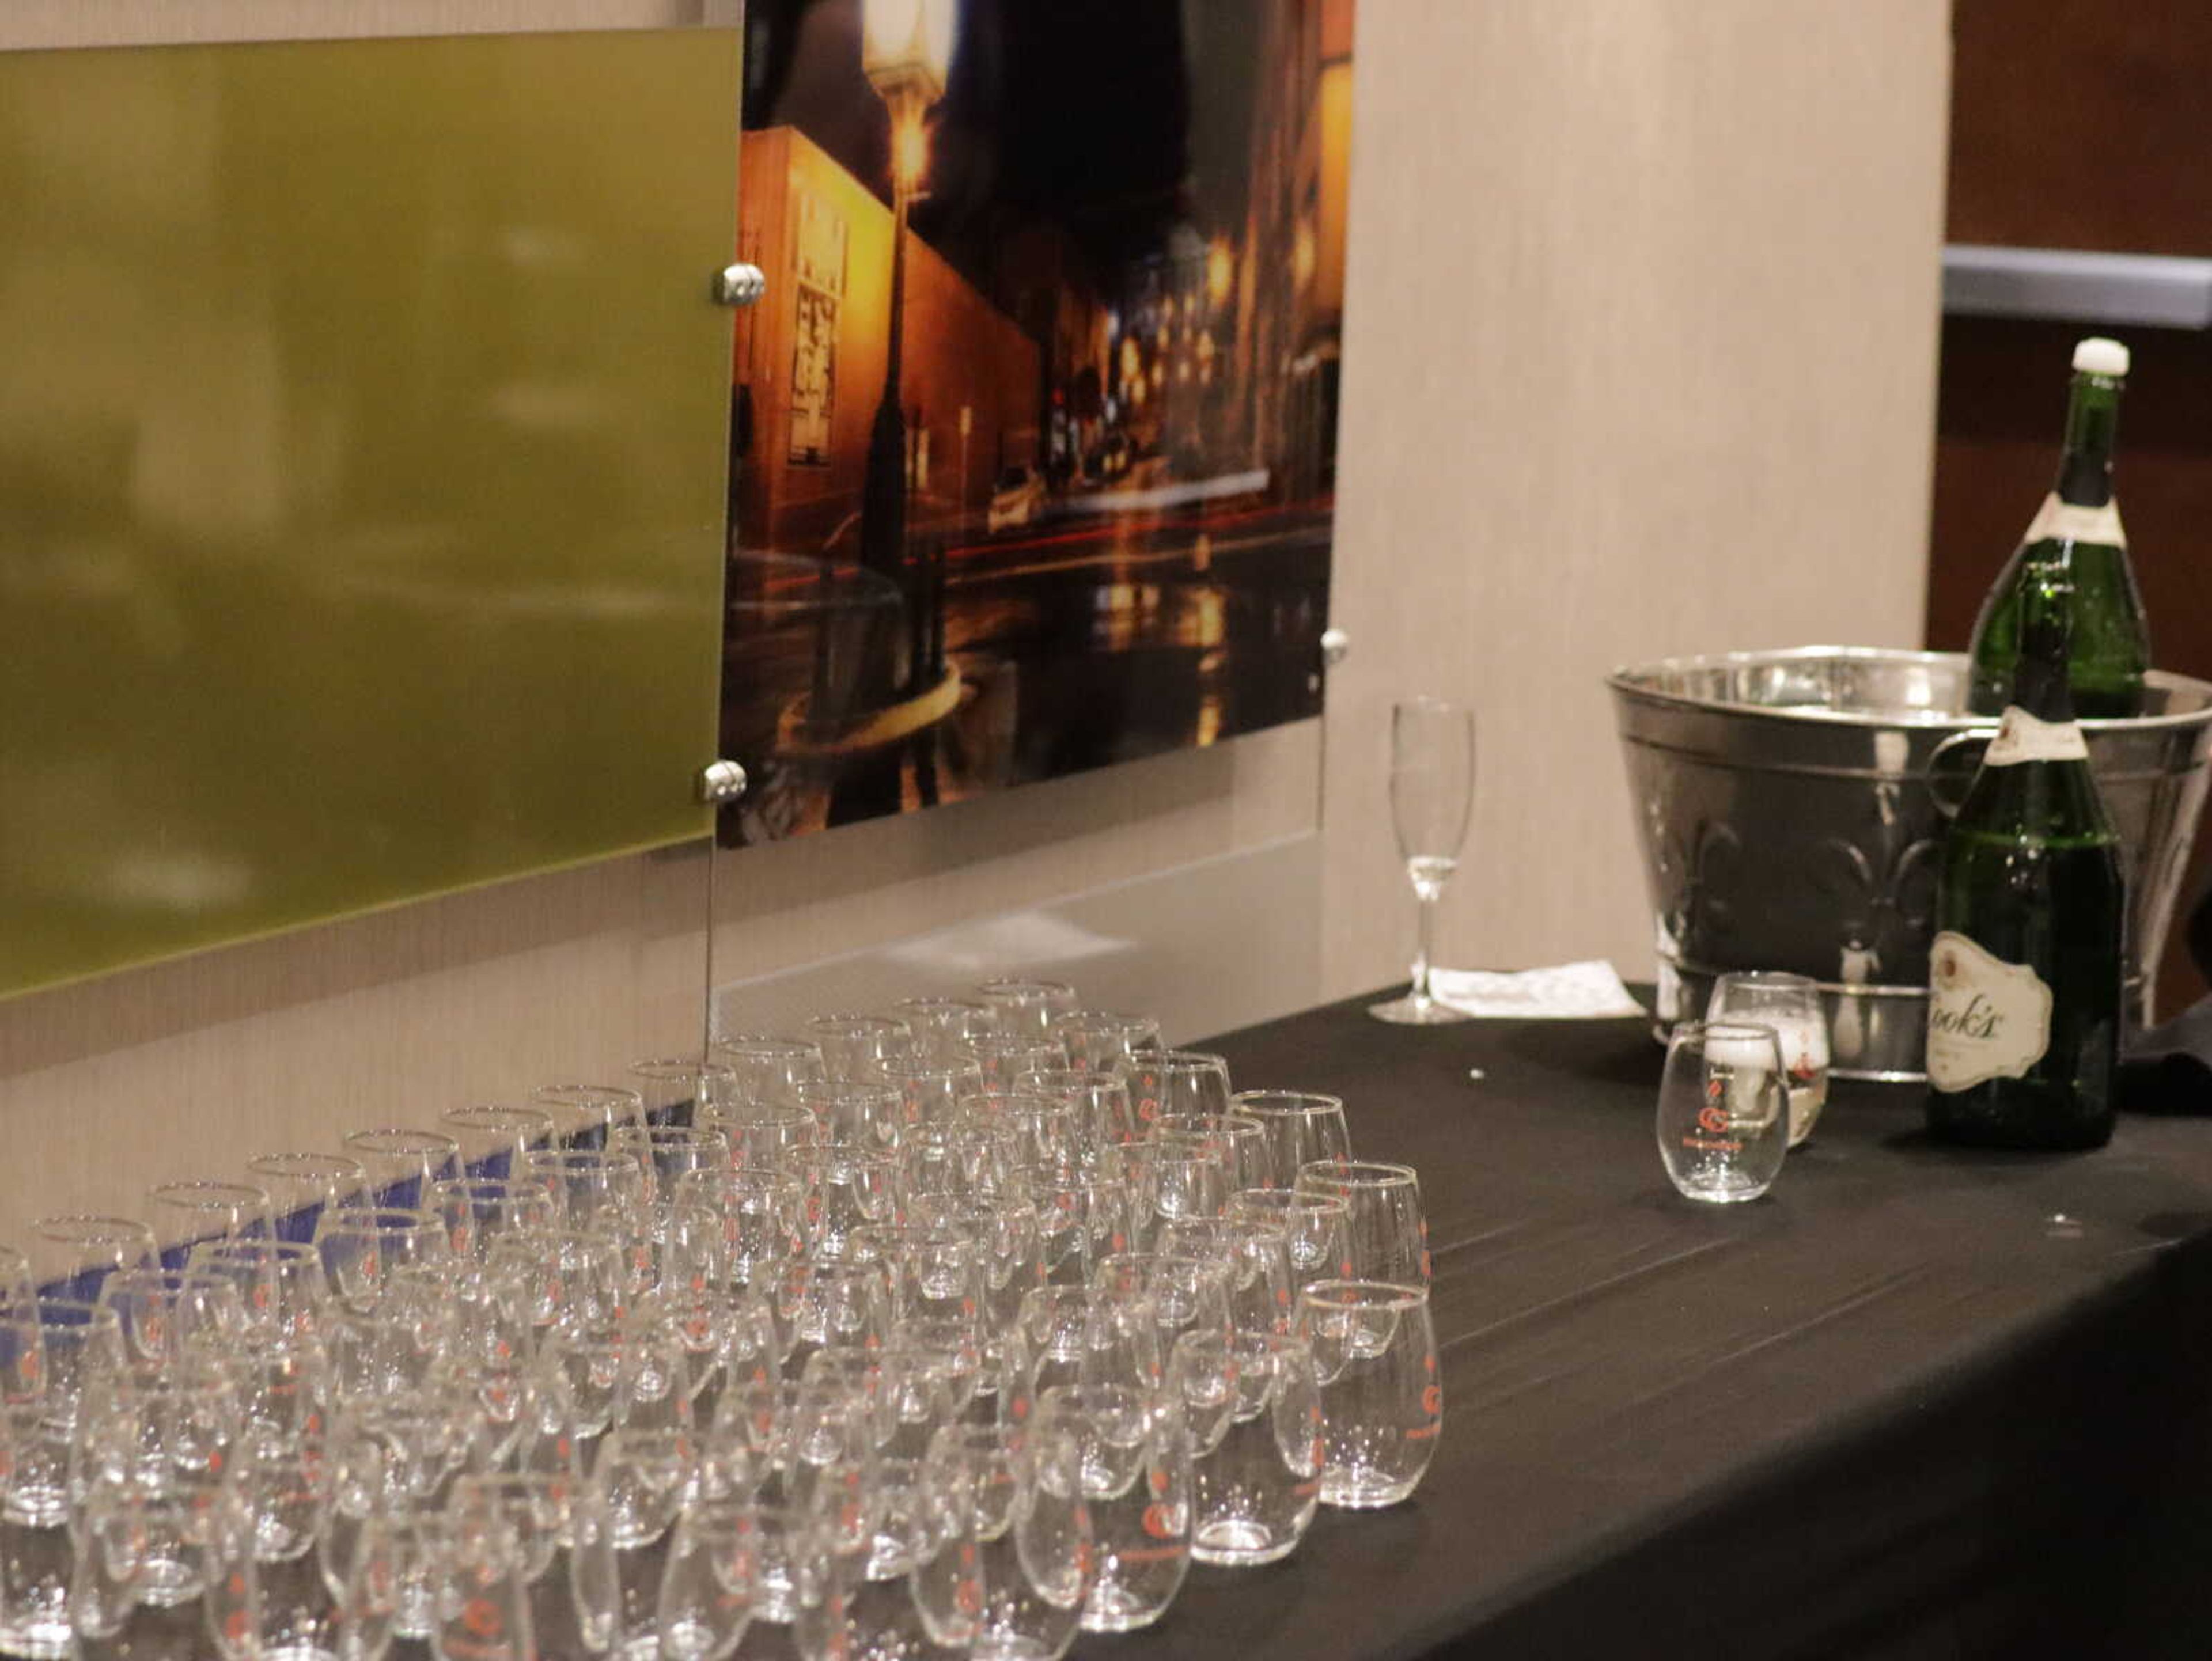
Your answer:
<point x="1034" y="433"/>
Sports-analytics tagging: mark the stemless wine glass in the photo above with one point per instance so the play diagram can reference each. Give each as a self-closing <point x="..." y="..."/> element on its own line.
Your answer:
<point x="1176" y="1082"/>
<point x="493" y="1135"/>
<point x="1019" y="1560"/>
<point x="854" y="1047"/>
<point x="1316" y="1227"/>
<point x="1382" y="1396"/>
<point x="1098" y="1040"/>
<point x="1025" y="1008"/>
<point x="300" y="1186"/>
<point x="583" y="1113"/>
<point x="402" y="1162"/>
<point x="1724" y="1116"/>
<point x="74" y="1254"/>
<point x="1104" y="1116"/>
<point x="769" y="1067"/>
<point x="1389" y="1231"/>
<point x="1791" y="1004"/>
<point x="941" y="1025"/>
<point x="1431" y="793"/>
<point x="1136" y="1461"/>
<point x="1253" y="1403"/>
<point x="1005" y="1058"/>
<point x="185" y="1212"/>
<point x="680" y="1090"/>
<point x="1302" y="1127"/>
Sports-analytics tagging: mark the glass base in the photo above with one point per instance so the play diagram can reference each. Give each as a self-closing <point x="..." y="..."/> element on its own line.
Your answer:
<point x="1119" y="1610"/>
<point x="1237" y="1544"/>
<point x="1411" y="1012"/>
<point x="1365" y="1490"/>
<point x="1732" y="1189"/>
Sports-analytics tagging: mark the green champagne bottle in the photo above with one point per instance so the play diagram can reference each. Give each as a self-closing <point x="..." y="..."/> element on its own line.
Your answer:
<point x="2078" y="526"/>
<point x="2024" y="973"/>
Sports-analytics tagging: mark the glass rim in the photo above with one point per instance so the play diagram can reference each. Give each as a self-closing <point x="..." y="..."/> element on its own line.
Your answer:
<point x="486" y="1114"/>
<point x="400" y="1139"/>
<point x="580" y="1095"/>
<point x="1349" y="1294"/>
<point x="1090" y="1078"/>
<point x="579" y="1159"/>
<point x="1106" y="1019"/>
<point x="294" y="1165"/>
<point x="848" y="1022"/>
<point x="918" y="1065"/>
<point x="82" y="1227"/>
<point x="1149" y="1258"/>
<point x="251" y="1247"/>
<point x="485" y="1185"/>
<point x="201" y="1193"/>
<point x="1787" y="979"/>
<point x="1019" y="1101"/>
<point x="1285" y="1103"/>
<point x="839" y="1089"/>
<point x="1025" y="987"/>
<point x="681" y="1067"/>
<point x="1727" y="1031"/>
<point x="978" y="1044"/>
<point x="766" y="1044"/>
<point x="682" y="1135"/>
<point x="1291" y="1198"/>
<point x="746" y="1175"/>
<point x="383" y="1219"/>
<point x="1067" y="1398"/>
<point x="1206" y="1125"/>
<point x="1240" y="1339"/>
<point x="1185" y="1058"/>
<point x="1360" y="1172"/>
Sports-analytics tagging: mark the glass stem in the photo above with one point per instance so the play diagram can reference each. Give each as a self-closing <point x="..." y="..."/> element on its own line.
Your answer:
<point x="1423" y="948"/>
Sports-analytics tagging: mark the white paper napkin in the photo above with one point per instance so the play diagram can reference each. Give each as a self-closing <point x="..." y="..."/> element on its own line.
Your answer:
<point x="1568" y="992"/>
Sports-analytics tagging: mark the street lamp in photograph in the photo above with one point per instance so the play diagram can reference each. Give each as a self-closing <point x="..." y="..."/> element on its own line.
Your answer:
<point x="906" y="46"/>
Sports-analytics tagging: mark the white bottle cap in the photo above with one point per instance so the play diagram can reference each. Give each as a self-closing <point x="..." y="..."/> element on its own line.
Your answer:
<point x="2099" y="356"/>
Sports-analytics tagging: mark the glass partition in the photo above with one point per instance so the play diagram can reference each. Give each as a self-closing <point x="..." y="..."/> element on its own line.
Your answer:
<point x="362" y="450"/>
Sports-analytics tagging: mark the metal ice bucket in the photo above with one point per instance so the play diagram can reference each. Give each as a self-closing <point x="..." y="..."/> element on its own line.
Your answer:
<point x="1788" y="805"/>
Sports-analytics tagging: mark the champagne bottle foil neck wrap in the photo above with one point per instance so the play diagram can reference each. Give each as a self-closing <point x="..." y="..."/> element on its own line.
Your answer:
<point x="2022" y="737"/>
<point x="2064" y="521"/>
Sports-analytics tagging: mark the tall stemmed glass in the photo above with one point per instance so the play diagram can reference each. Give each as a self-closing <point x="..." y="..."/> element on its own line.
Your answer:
<point x="1431" y="793"/>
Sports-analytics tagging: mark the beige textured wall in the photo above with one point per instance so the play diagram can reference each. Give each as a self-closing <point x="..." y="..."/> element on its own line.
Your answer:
<point x="1640" y="353"/>
<point x="1642" y="314"/>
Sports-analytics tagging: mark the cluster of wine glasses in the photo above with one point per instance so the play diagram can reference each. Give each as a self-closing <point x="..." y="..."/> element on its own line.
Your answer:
<point x="954" y="1329"/>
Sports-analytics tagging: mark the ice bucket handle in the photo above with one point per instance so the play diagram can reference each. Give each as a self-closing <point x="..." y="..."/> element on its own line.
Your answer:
<point x="1951" y="766"/>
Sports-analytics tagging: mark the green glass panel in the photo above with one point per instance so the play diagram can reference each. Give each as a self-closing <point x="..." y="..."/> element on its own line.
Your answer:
<point x="363" y="438"/>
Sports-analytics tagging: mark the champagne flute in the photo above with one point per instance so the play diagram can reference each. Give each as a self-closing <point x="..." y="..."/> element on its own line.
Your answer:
<point x="1431" y="793"/>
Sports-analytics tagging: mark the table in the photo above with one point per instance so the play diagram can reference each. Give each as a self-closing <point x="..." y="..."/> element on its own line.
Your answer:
<point x="1916" y="1402"/>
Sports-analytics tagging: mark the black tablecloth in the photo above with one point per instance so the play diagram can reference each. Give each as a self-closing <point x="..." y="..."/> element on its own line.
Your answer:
<point x="1915" y="1402"/>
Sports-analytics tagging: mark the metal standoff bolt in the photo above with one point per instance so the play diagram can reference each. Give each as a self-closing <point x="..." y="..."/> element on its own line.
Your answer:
<point x="739" y="285"/>
<point x="1335" y="646"/>
<point x="721" y="783"/>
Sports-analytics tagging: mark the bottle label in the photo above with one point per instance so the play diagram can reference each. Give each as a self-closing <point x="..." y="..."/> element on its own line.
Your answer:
<point x="2022" y="738"/>
<point x="1986" y="1018"/>
<point x="2065" y="522"/>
